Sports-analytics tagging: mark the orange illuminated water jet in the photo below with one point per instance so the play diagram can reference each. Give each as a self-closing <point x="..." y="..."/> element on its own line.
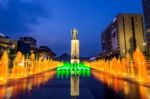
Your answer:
<point x="3" y="68"/>
<point x="23" y="67"/>
<point x="140" y="65"/>
<point x="18" y="70"/>
<point x="134" y="69"/>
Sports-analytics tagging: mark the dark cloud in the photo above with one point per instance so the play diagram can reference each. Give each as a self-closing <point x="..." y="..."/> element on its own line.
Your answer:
<point x="16" y="16"/>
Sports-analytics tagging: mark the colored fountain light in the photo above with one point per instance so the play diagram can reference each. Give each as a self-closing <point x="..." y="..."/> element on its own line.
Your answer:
<point x="132" y="68"/>
<point x="140" y="71"/>
<point x="3" y="68"/>
<point x="24" y="67"/>
<point x="68" y="69"/>
<point x="27" y="67"/>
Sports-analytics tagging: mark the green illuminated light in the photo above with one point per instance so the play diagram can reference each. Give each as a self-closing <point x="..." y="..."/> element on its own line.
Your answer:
<point x="68" y="69"/>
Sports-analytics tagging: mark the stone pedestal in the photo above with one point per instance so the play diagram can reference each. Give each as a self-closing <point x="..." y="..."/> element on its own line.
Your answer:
<point x="75" y="51"/>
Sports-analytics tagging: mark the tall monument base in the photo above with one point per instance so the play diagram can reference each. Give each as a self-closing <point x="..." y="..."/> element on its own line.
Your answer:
<point x="75" y="51"/>
<point x="77" y="61"/>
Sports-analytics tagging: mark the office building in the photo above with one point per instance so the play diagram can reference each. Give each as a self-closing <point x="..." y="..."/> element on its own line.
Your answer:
<point x="23" y="47"/>
<point x="7" y="44"/>
<point x="29" y="40"/>
<point x="123" y="35"/>
<point x="46" y="52"/>
<point x="106" y="42"/>
<point x="146" y="7"/>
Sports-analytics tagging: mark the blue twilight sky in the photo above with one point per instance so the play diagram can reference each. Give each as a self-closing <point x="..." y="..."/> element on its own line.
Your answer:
<point x="50" y="21"/>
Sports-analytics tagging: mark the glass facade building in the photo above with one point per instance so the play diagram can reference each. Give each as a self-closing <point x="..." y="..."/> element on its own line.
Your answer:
<point x="123" y="35"/>
<point x="146" y="7"/>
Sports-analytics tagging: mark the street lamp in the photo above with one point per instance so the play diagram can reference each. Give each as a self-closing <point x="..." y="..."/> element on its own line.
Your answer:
<point x="144" y="45"/>
<point x="111" y="55"/>
<point x="108" y="56"/>
<point x="124" y="51"/>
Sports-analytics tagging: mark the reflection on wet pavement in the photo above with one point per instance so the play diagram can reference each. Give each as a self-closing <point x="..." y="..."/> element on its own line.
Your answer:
<point x="126" y="89"/>
<point x="98" y="86"/>
<point x="15" y="88"/>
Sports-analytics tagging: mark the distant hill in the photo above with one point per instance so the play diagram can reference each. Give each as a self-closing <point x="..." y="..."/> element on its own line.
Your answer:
<point x="63" y="57"/>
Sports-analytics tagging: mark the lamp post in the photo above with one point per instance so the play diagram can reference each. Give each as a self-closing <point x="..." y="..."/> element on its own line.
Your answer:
<point x="108" y="56"/>
<point x="144" y="45"/>
<point x="111" y="55"/>
<point x="124" y="52"/>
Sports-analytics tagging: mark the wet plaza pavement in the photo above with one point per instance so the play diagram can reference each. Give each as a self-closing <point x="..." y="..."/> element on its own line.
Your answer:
<point x="98" y="86"/>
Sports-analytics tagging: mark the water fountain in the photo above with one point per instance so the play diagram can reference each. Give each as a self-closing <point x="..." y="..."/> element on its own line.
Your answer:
<point x="140" y="65"/>
<point x="132" y="69"/>
<point x="66" y="70"/>
<point x="4" y="68"/>
<point x="23" y="67"/>
<point x="18" y="70"/>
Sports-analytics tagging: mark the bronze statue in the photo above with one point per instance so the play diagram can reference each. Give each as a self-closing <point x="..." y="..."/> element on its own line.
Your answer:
<point x="74" y="33"/>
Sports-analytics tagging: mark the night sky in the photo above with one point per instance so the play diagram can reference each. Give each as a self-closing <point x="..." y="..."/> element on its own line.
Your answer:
<point x="50" y="21"/>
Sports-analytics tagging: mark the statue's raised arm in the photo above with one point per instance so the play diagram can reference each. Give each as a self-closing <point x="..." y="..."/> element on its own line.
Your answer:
<point x="74" y="33"/>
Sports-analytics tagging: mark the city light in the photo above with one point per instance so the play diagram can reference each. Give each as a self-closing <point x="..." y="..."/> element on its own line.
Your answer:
<point x="68" y="69"/>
